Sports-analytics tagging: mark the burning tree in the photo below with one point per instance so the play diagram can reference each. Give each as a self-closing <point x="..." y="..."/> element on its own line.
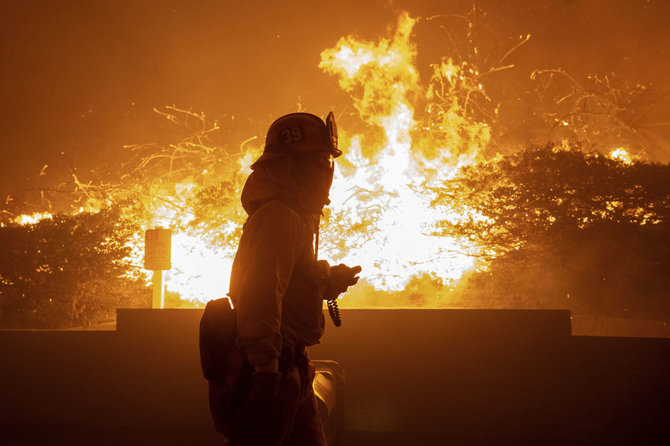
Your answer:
<point x="601" y="111"/>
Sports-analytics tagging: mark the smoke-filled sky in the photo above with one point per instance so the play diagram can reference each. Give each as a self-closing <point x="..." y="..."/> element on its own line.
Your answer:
<point x="81" y="78"/>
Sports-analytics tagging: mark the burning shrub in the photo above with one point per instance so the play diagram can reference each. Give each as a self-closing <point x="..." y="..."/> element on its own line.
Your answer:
<point x="600" y="110"/>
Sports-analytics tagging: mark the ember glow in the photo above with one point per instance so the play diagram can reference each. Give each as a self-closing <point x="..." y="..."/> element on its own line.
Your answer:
<point x="29" y="219"/>
<point x="622" y="155"/>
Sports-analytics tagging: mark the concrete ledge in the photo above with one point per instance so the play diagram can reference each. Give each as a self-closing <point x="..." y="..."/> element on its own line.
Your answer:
<point x="454" y="374"/>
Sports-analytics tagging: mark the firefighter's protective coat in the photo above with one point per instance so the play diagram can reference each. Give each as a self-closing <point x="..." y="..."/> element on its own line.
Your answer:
<point x="276" y="284"/>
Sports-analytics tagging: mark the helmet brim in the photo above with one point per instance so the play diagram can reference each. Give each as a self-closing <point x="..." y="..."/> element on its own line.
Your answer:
<point x="269" y="155"/>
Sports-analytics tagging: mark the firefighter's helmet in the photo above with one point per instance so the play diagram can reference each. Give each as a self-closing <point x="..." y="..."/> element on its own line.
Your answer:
<point x="299" y="133"/>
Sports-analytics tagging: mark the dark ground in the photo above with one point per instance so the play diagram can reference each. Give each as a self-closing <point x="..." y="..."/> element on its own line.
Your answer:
<point x="135" y="436"/>
<point x="499" y="377"/>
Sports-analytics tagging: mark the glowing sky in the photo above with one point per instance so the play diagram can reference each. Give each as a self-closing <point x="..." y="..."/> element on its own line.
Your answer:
<point x="83" y="77"/>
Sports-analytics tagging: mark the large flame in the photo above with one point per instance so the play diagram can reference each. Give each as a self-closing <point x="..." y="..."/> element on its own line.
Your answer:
<point x="390" y="179"/>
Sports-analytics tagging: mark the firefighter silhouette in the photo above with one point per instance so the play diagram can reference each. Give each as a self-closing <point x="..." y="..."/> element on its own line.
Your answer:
<point x="278" y="286"/>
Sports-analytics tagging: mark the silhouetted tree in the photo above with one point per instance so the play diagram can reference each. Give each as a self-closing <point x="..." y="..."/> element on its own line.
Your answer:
<point x="67" y="271"/>
<point x="511" y="201"/>
<point x="566" y="229"/>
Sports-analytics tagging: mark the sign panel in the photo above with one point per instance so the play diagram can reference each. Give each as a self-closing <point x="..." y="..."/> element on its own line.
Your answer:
<point x="157" y="249"/>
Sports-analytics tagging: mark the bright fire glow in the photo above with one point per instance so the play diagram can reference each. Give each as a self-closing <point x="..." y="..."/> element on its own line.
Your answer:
<point x="200" y="271"/>
<point x="380" y="192"/>
<point x="381" y="213"/>
<point x="622" y="155"/>
<point x="26" y="219"/>
<point x="390" y="179"/>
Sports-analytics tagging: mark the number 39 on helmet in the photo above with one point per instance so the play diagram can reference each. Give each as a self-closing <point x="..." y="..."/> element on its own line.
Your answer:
<point x="300" y="133"/>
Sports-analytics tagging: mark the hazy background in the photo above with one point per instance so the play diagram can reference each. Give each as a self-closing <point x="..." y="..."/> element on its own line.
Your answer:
<point x="80" y="79"/>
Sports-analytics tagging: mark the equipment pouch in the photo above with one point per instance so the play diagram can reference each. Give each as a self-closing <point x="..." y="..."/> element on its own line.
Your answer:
<point x="218" y="330"/>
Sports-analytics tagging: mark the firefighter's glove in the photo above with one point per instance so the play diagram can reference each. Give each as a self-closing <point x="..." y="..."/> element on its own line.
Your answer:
<point x="340" y="278"/>
<point x="262" y="406"/>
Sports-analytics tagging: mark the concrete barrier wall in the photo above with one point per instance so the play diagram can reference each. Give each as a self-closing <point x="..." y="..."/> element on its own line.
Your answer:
<point x="486" y="374"/>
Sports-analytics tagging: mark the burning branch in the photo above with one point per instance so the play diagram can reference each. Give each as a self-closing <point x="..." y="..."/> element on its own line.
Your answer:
<point x="604" y="112"/>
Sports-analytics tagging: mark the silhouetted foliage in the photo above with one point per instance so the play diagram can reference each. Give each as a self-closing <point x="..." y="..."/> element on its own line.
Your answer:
<point x="599" y="109"/>
<point x="217" y="211"/>
<point x="510" y="201"/>
<point x="567" y="229"/>
<point x="608" y="269"/>
<point x="67" y="271"/>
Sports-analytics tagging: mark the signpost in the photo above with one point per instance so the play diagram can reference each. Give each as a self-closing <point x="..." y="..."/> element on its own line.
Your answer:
<point x="157" y="258"/>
